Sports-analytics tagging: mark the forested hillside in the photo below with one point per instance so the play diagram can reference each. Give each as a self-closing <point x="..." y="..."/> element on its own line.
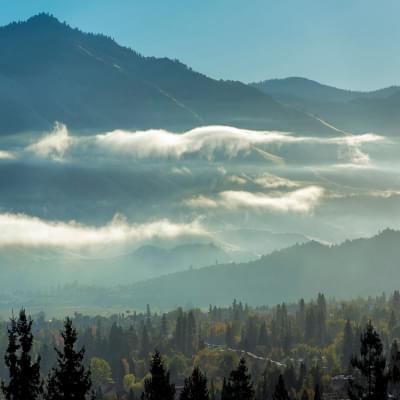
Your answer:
<point x="358" y="267"/>
<point x="50" y="72"/>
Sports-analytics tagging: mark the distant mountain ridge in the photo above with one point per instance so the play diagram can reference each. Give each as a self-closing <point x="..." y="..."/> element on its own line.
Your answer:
<point x="358" y="267"/>
<point x="61" y="266"/>
<point x="52" y="72"/>
<point x="313" y="90"/>
<point x="352" y="111"/>
<point x="364" y="267"/>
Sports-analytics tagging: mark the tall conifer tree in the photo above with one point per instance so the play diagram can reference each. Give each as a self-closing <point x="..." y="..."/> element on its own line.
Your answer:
<point x="24" y="374"/>
<point x="348" y="343"/>
<point x="195" y="387"/>
<point x="317" y="392"/>
<point x="370" y="374"/>
<point x="394" y="370"/>
<point x="69" y="380"/>
<point x="239" y="385"/>
<point x="280" y="392"/>
<point x="158" y="386"/>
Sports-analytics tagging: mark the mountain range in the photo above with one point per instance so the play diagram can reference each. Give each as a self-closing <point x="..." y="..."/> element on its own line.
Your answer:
<point x="51" y="72"/>
<point x="365" y="267"/>
<point x="26" y="267"/>
<point x="351" y="111"/>
<point x="358" y="267"/>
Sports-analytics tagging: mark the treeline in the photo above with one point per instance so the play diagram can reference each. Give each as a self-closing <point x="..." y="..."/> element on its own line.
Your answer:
<point x="310" y="344"/>
<point x="68" y="379"/>
<point x="372" y="376"/>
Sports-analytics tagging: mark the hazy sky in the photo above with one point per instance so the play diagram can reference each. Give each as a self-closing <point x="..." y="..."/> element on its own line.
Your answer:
<point x="347" y="43"/>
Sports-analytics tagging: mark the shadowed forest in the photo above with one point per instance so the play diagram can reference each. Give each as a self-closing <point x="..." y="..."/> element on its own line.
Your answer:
<point x="304" y="350"/>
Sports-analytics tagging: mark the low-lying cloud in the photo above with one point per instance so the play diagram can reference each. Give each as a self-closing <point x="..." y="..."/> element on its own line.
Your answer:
<point x="269" y="181"/>
<point x="266" y="181"/>
<point x="205" y="142"/>
<point x="181" y="171"/>
<point x="25" y="230"/>
<point x="211" y="139"/>
<point x="6" y="155"/>
<point x="302" y="200"/>
<point x="54" y="145"/>
<point x="236" y="180"/>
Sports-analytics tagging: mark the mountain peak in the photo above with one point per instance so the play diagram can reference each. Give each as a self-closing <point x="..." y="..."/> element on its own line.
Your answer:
<point x="120" y="89"/>
<point x="45" y="21"/>
<point x="43" y="18"/>
<point x="40" y="22"/>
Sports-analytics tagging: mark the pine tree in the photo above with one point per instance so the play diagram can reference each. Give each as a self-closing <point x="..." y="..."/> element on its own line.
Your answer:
<point x="321" y="319"/>
<point x="180" y="331"/>
<point x="11" y="390"/>
<point x="225" y="392"/>
<point x="229" y="335"/>
<point x="164" y="326"/>
<point x="158" y="387"/>
<point x="302" y="376"/>
<point x="145" y="343"/>
<point x="289" y="376"/>
<point x="190" y="344"/>
<point x="347" y="348"/>
<point x="371" y="376"/>
<point x="394" y="369"/>
<point x="239" y="385"/>
<point x="250" y="335"/>
<point x="69" y="379"/>
<point x="25" y="382"/>
<point x="148" y="312"/>
<point x="195" y="387"/>
<point x="310" y="324"/>
<point x="31" y="382"/>
<point x="317" y="392"/>
<point x="392" y="321"/>
<point x="280" y="392"/>
<point x="263" y="335"/>
<point x="301" y="315"/>
<point x="396" y="300"/>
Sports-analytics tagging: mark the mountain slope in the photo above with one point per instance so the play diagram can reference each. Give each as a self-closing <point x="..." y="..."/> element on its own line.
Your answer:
<point x="314" y="91"/>
<point x="49" y="72"/>
<point x="359" y="267"/>
<point x="353" y="111"/>
<point x="25" y="267"/>
<point x="364" y="267"/>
